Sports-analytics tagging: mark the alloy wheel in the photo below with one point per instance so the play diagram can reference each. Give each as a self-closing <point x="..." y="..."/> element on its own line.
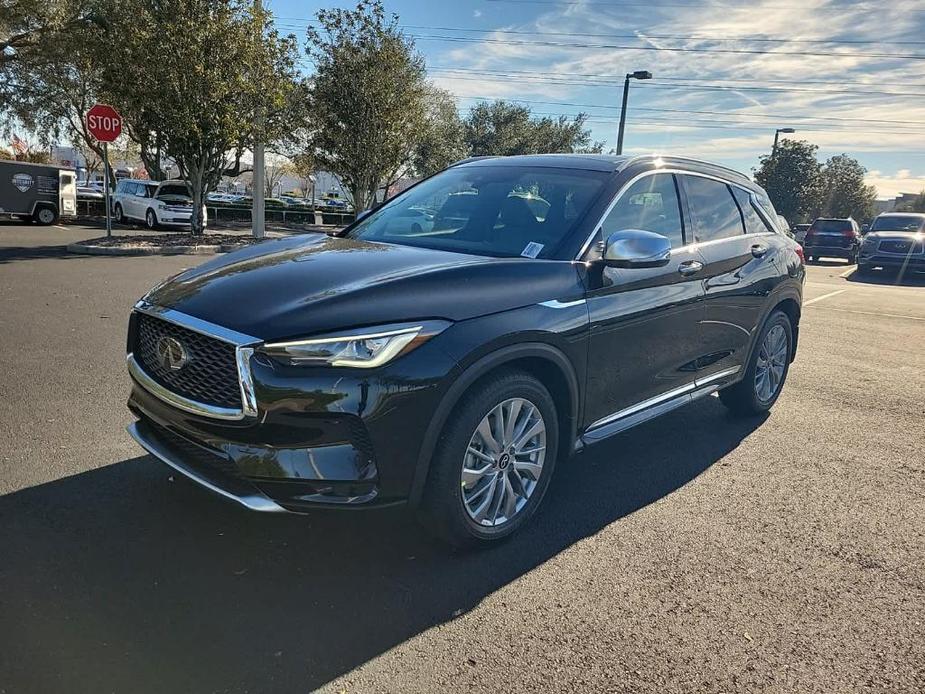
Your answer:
<point x="46" y="216"/>
<point x="772" y="362"/>
<point x="503" y="462"/>
<point x="151" y="219"/>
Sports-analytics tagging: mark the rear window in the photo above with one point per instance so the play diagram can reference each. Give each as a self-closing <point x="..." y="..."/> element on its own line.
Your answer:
<point x="831" y="225"/>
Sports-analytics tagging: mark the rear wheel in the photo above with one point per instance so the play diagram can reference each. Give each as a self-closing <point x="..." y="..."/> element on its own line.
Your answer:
<point x="766" y="371"/>
<point x="493" y="462"/>
<point x="45" y="215"/>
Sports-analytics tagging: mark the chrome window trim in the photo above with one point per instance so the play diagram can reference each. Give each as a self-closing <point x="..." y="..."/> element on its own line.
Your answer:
<point x="674" y="171"/>
<point x="555" y="303"/>
<point x="658" y="399"/>
<point x="244" y="350"/>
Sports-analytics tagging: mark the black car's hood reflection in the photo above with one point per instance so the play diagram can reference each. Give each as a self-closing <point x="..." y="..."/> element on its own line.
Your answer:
<point x="310" y="284"/>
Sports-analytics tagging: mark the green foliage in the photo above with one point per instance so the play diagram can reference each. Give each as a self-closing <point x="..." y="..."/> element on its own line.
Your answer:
<point x="442" y="138"/>
<point x="845" y="194"/>
<point x="793" y="180"/>
<point x="366" y="103"/>
<point x="171" y="75"/>
<point x="502" y="128"/>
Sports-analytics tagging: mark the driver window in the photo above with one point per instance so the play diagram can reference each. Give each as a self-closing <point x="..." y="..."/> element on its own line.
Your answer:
<point x="650" y="204"/>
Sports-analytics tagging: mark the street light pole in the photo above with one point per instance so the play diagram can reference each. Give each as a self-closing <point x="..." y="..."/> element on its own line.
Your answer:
<point x="638" y="75"/>
<point x="776" y="136"/>
<point x="258" y="211"/>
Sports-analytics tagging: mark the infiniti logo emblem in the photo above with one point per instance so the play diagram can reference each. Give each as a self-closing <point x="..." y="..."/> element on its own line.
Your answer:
<point x="171" y="354"/>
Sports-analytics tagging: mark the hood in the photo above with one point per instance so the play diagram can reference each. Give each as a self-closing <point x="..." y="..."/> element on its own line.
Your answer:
<point x="314" y="284"/>
<point x="895" y="236"/>
<point x="175" y="199"/>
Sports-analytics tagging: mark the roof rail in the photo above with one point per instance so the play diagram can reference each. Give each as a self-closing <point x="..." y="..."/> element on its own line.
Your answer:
<point x="641" y="157"/>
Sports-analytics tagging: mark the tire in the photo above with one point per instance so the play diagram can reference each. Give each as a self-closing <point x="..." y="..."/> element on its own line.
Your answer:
<point x="150" y="219"/>
<point x="745" y="397"/>
<point x="120" y="214"/>
<point x="455" y="513"/>
<point x="46" y="216"/>
<point x="852" y="259"/>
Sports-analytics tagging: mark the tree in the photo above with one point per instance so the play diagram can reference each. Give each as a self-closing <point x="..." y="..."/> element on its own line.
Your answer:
<point x="442" y="141"/>
<point x="502" y="128"/>
<point x="366" y="99"/>
<point x="793" y="179"/>
<point x="303" y="167"/>
<point x="845" y="193"/>
<point x="201" y="107"/>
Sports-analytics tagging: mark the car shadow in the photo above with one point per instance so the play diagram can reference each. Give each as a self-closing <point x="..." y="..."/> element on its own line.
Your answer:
<point x="10" y="254"/>
<point x="889" y="278"/>
<point x="125" y="579"/>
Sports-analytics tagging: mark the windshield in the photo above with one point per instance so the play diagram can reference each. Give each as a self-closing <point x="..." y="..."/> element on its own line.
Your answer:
<point x="174" y="189"/>
<point x="831" y="225"/>
<point x="897" y="223"/>
<point x="490" y="210"/>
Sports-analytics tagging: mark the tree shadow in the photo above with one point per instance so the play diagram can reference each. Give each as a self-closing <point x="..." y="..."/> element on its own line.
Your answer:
<point x="120" y="580"/>
<point x="9" y="254"/>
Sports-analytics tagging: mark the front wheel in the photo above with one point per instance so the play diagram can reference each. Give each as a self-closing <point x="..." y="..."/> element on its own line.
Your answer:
<point x="493" y="462"/>
<point x="120" y="214"/>
<point x="766" y="371"/>
<point x="150" y="219"/>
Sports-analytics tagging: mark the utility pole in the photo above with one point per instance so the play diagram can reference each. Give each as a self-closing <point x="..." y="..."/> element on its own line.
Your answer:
<point x="258" y="211"/>
<point x="638" y="75"/>
<point x="777" y="135"/>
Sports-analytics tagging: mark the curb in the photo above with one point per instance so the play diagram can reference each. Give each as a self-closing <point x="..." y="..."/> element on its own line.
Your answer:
<point x="136" y="250"/>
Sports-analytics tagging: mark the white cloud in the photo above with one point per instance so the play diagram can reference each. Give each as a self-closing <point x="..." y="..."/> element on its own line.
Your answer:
<point x="903" y="181"/>
<point x="477" y="13"/>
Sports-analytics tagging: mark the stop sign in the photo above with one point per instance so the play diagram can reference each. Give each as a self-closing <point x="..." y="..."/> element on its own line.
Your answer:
<point x="104" y="123"/>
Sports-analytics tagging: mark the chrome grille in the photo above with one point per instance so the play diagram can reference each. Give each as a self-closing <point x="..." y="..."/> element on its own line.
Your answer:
<point x="211" y="373"/>
<point x="897" y="247"/>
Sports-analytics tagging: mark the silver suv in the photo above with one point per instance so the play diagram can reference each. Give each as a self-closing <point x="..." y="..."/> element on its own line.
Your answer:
<point x="168" y="203"/>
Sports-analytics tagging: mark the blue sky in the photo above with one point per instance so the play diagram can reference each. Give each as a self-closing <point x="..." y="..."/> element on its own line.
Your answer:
<point x="842" y="76"/>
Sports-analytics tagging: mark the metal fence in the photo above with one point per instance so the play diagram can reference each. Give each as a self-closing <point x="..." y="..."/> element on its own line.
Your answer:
<point x="235" y="213"/>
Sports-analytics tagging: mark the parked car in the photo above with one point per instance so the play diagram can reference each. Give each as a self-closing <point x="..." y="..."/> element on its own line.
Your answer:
<point x="896" y="240"/>
<point x="832" y="238"/>
<point x="799" y="231"/>
<point x="89" y="193"/>
<point x="168" y="203"/>
<point x="454" y="370"/>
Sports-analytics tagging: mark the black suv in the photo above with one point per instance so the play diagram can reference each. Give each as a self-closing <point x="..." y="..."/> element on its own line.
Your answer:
<point x="449" y="348"/>
<point x="832" y="238"/>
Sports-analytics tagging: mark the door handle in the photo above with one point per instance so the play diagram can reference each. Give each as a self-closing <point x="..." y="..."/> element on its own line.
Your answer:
<point x="690" y="267"/>
<point x="758" y="250"/>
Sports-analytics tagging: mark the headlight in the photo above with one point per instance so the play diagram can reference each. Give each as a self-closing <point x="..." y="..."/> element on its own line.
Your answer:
<point x="365" y="350"/>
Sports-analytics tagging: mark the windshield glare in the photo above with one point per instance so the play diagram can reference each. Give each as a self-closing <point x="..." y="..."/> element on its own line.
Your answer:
<point x="895" y="223"/>
<point x="490" y="210"/>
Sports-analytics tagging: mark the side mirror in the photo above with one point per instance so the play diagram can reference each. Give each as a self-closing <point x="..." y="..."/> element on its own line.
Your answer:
<point x="634" y="248"/>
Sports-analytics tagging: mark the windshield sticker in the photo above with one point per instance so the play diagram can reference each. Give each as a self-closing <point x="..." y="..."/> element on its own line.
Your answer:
<point x="532" y="250"/>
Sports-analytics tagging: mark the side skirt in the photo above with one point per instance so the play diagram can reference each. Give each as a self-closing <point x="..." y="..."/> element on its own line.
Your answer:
<point x="654" y="407"/>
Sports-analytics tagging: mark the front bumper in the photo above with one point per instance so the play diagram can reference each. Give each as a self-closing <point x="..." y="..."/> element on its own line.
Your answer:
<point x="315" y="437"/>
<point x="911" y="262"/>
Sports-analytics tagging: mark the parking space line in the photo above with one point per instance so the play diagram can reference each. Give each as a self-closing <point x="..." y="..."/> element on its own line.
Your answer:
<point x="824" y="296"/>
<point x="60" y="227"/>
<point x="849" y="271"/>
<point x="871" y="313"/>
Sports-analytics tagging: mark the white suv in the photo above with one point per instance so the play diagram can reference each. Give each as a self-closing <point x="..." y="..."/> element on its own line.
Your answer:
<point x="168" y="203"/>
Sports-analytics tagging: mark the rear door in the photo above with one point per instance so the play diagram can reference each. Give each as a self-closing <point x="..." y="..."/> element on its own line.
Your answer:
<point x="644" y="321"/>
<point x="739" y="249"/>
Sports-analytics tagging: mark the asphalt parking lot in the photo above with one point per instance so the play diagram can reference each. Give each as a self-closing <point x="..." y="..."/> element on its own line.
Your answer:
<point x="697" y="553"/>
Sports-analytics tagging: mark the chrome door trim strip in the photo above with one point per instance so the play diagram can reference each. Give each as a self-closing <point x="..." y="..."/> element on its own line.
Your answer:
<point x="555" y="303"/>
<point x="653" y="172"/>
<point x="668" y="395"/>
<point x="178" y="401"/>
<point x="718" y="375"/>
<point x="255" y="501"/>
<point x="197" y="324"/>
<point x="645" y="404"/>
